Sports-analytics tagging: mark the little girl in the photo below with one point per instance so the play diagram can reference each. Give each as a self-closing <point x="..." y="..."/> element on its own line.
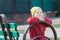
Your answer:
<point x="38" y="29"/>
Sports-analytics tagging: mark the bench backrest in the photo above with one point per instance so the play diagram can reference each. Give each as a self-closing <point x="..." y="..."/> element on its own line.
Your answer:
<point x="13" y="31"/>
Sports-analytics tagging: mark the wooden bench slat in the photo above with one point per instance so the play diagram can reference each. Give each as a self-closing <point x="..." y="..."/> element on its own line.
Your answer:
<point x="12" y="25"/>
<point x="14" y="34"/>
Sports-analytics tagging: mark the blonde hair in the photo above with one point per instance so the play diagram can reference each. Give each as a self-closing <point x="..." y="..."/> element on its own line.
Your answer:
<point x="33" y="9"/>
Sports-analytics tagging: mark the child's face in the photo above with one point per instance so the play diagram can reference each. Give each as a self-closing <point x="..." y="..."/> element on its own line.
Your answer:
<point x="38" y="13"/>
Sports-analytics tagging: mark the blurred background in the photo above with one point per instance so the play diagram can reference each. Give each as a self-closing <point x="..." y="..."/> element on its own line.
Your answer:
<point x="19" y="10"/>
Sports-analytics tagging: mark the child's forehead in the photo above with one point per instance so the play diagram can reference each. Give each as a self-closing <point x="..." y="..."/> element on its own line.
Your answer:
<point x="38" y="10"/>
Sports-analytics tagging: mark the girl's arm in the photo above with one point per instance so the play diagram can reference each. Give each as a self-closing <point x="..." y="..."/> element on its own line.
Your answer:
<point x="32" y="20"/>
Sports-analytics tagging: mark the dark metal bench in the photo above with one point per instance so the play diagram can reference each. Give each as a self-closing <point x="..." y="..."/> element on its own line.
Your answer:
<point x="40" y="22"/>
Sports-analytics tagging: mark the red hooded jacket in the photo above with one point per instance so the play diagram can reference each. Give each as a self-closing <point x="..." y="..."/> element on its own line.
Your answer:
<point x="38" y="29"/>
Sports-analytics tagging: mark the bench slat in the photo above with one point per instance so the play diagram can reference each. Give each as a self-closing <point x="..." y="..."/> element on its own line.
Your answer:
<point x="14" y="34"/>
<point x="12" y="25"/>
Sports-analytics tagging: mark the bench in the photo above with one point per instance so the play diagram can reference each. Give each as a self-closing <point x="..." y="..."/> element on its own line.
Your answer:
<point x="8" y="31"/>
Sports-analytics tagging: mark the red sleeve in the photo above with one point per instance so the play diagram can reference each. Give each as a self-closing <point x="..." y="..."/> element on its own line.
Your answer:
<point x="48" y="20"/>
<point x="32" y="20"/>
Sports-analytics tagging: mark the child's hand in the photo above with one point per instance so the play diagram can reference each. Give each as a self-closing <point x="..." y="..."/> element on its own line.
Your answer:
<point x="48" y="20"/>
